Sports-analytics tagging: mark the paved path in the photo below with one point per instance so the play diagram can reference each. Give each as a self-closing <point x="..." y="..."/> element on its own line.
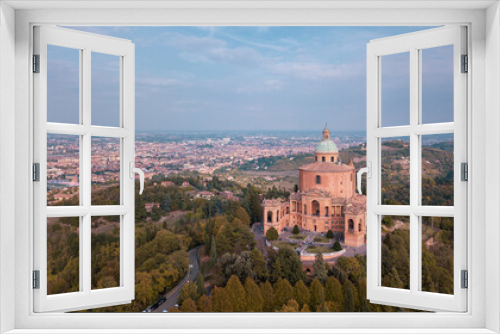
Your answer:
<point x="173" y="295"/>
<point x="260" y="238"/>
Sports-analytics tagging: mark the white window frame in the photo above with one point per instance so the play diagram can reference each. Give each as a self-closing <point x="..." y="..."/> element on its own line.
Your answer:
<point x="413" y="44"/>
<point x="86" y="44"/>
<point x="16" y="107"/>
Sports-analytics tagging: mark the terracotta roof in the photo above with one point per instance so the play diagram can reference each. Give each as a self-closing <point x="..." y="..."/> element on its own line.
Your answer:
<point x="326" y="167"/>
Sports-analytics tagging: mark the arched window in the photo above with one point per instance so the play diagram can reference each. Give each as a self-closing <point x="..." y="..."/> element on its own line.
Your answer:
<point x="315" y="208"/>
<point x="277" y="215"/>
<point x="331" y="159"/>
<point x="360" y="225"/>
<point x="351" y="225"/>
<point x="318" y="179"/>
<point x="305" y="209"/>
<point x="316" y="158"/>
<point x="269" y="217"/>
<point x="323" y="159"/>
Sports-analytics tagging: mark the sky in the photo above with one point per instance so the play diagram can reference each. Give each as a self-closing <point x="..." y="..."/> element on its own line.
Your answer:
<point x="250" y="78"/>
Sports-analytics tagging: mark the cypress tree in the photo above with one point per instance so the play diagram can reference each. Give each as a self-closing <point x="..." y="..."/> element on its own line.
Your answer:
<point x="317" y="295"/>
<point x="348" y="297"/>
<point x="255" y="302"/>
<point x="267" y="293"/>
<point x="200" y="284"/>
<point x="320" y="268"/>
<point x="301" y="293"/>
<point x="236" y="294"/>
<point x="283" y="292"/>
<point x="188" y="306"/>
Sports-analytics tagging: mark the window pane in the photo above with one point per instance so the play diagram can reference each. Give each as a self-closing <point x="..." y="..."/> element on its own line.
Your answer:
<point x="63" y="170"/>
<point x="395" y="232"/>
<point x="105" y="252"/>
<point x="105" y="171"/>
<point x="395" y="171"/>
<point x="437" y="84"/>
<point x="105" y="90"/>
<point x="437" y="169"/>
<point x="63" y="85"/>
<point x="437" y="254"/>
<point x="63" y="249"/>
<point x="395" y="89"/>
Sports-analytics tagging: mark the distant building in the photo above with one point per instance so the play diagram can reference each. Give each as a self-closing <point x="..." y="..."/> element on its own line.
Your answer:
<point x="226" y="194"/>
<point x="326" y="199"/>
<point x="185" y="184"/>
<point x="167" y="184"/>
<point x="205" y="194"/>
<point x="149" y="206"/>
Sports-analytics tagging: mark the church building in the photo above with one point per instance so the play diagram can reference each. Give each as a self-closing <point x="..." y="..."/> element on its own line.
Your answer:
<point x="326" y="199"/>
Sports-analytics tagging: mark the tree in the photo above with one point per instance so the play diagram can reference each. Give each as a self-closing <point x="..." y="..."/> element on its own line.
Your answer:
<point x="259" y="265"/>
<point x="290" y="306"/>
<point x="220" y="300"/>
<point x="320" y="268"/>
<point x="283" y="292"/>
<point x="254" y="204"/>
<point x="288" y="265"/>
<point x="301" y="293"/>
<point x="348" y="297"/>
<point x="243" y="216"/>
<point x="336" y="246"/>
<point x="272" y="234"/>
<point x="200" y="284"/>
<point x="205" y="304"/>
<point x="305" y="308"/>
<point x="213" y="251"/>
<point x="333" y="291"/>
<point x="188" y="306"/>
<point x="236" y="294"/>
<point x="267" y="293"/>
<point x="166" y="205"/>
<point x="329" y="234"/>
<point x="317" y="294"/>
<point x="188" y="291"/>
<point x="296" y="230"/>
<point x="255" y="302"/>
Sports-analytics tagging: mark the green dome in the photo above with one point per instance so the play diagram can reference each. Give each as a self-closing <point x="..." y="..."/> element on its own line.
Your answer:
<point x="326" y="146"/>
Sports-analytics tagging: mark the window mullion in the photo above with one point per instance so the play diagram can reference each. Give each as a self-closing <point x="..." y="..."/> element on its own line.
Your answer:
<point x="414" y="170"/>
<point x="86" y="173"/>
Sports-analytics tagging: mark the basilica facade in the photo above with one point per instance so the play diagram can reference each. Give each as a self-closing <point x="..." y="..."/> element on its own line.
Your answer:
<point x="326" y="198"/>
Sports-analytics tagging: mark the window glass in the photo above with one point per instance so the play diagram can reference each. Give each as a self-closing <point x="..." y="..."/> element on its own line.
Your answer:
<point x="395" y="93"/>
<point x="437" y="254"/>
<point x="63" y="255"/>
<point x="105" y="252"/>
<point x="105" y="171"/>
<point x="105" y="90"/>
<point x="63" y="170"/>
<point x="395" y="171"/>
<point x="395" y="251"/>
<point x="63" y="85"/>
<point x="437" y="84"/>
<point x="437" y="170"/>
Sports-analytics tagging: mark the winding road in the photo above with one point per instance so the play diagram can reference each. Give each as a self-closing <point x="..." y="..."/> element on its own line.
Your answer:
<point x="173" y="295"/>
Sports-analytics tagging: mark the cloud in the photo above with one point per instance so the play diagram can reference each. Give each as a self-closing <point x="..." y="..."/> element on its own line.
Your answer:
<point x="160" y="81"/>
<point x="313" y="71"/>
<point x="266" y="86"/>
<point x="259" y="45"/>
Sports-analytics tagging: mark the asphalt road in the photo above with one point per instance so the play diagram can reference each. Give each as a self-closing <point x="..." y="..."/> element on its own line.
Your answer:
<point x="173" y="295"/>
